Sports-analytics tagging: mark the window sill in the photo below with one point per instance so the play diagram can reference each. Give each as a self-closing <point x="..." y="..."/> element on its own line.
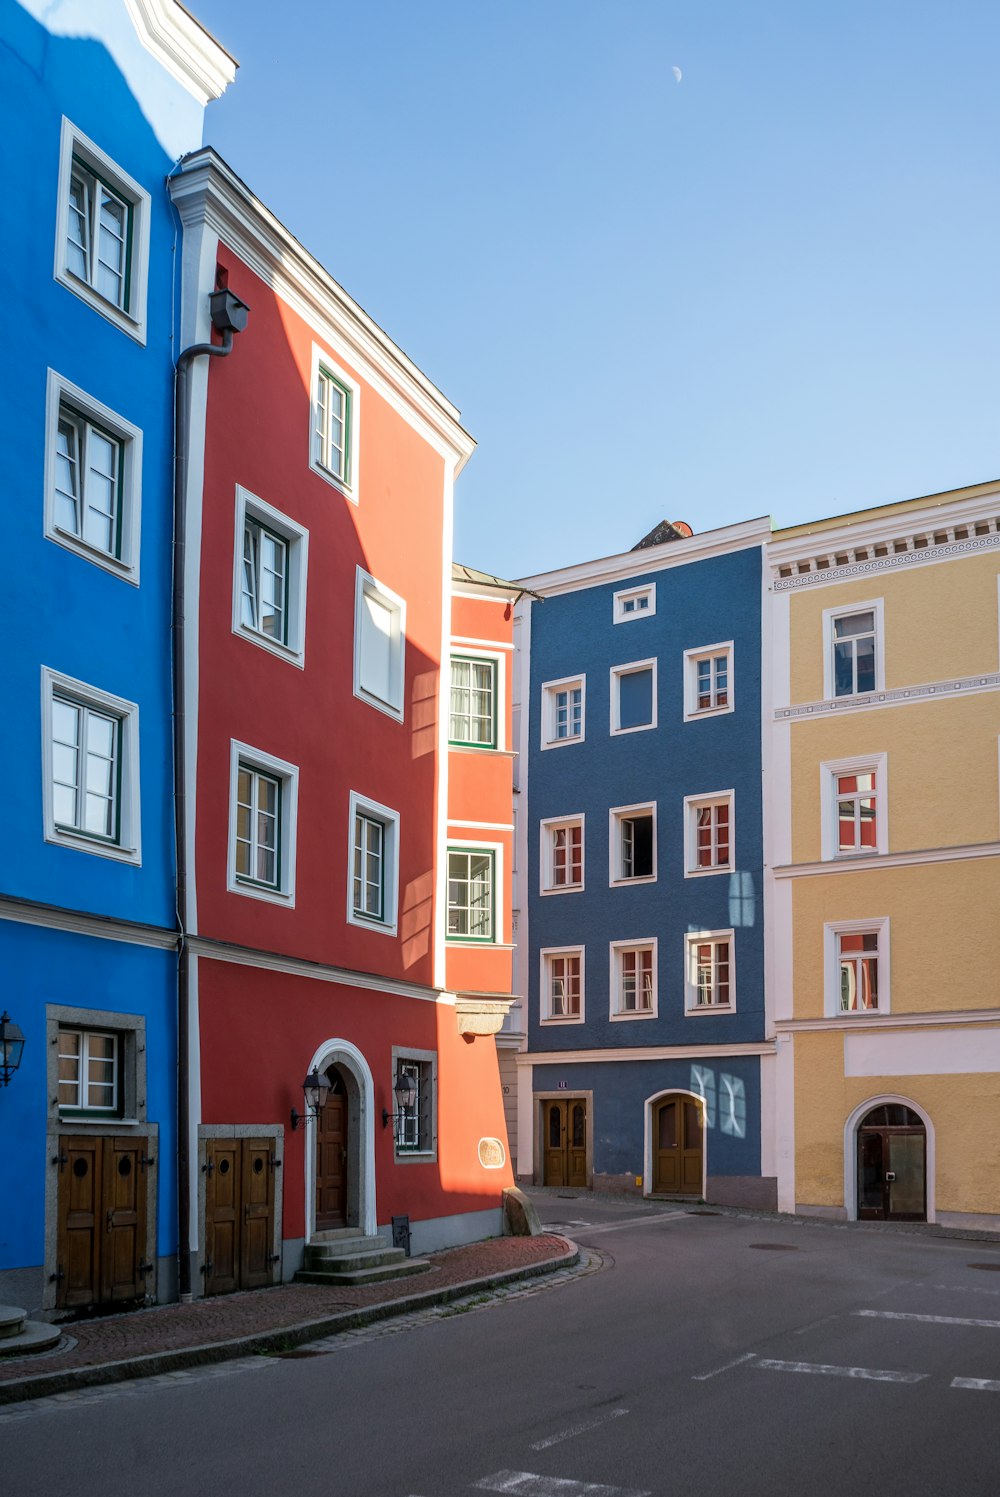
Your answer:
<point x="709" y="1008"/>
<point x="556" y="1020"/>
<point x="60" y="837"/>
<point x="380" y="706"/>
<point x="639" y="728"/>
<point x="414" y="1156"/>
<point x="465" y="747"/>
<point x="562" y="889"/>
<point x="340" y="484"/>
<point x="626" y="883"/>
<point x="112" y="564"/>
<point x="261" y="891"/>
<point x="553" y="743"/>
<point x="96" y="1120"/>
<point x="481" y="943"/>
<point x="272" y="646"/>
<point x="116" y="315"/>
<point x="379" y="927"/>
<point x="701" y="712"/>
<point x="707" y="872"/>
<point x="629" y="1016"/>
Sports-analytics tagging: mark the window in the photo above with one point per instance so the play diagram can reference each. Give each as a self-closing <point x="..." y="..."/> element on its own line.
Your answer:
<point x="93" y="463"/>
<point x="269" y="589"/>
<point x="561" y="855"/>
<point x="709" y="829"/>
<point x="262" y="825"/>
<point x="416" y="1128"/>
<point x="633" y="844"/>
<point x="90" y="768"/>
<point x="563" y="704"/>
<point x="854" y="807"/>
<point x="473" y="701"/>
<point x="635" y="603"/>
<point x="633" y="979"/>
<point x="710" y="978"/>
<point x="335" y="419"/>
<point x="470" y="894"/>
<point x="379" y="636"/>
<point x="854" y="650"/>
<point x="102" y="233"/>
<point x="562" y="985"/>
<point x="857" y="967"/>
<point x="373" y="881"/>
<point x="633" y="697"/>
<point x="89" y="1073"/>
<point x="708" y="680"/>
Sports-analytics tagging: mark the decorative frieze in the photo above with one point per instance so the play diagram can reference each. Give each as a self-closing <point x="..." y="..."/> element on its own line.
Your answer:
<point x="963" y="686"/>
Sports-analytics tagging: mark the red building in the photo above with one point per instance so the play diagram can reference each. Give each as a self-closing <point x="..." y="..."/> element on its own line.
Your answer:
<point x="330" y="929"/>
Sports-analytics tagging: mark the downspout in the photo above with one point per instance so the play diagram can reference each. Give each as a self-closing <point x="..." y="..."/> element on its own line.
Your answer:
<point x="229" y="315"/>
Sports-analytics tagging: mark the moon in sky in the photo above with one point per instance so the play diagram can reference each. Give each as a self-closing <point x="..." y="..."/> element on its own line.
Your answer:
<point x="677" y="74"/>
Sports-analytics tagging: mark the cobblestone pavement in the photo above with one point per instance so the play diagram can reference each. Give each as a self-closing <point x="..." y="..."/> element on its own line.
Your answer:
<point x="300" y="1310"/>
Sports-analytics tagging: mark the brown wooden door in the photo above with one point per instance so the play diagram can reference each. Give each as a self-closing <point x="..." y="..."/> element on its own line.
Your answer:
<point x="892" y="1172"/>
<point x="258" y="1213"/>
<point x="101" y="1231"/>
<point x="677" y="1147"/>
<point x="564" y="1155"/>
<point x="331" y="1159"/>
<point x="223" y="1162"/>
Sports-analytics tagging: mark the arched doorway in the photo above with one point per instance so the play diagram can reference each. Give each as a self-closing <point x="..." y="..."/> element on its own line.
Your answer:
<point x="352" y="1090"/>
<point x="892" y="1164"/>
<point x="678" y="1138"/>
<point x="333" y="1155"/>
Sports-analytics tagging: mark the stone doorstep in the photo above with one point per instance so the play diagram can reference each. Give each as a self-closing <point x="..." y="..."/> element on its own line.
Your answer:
<point x="327" y="1258"/>
<point x="343" y="1273"/>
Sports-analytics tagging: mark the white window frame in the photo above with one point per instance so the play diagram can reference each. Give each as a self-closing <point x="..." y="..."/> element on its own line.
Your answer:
<point x="498" y="938"/>
<point x="830" y="770"/>
<point x="296" y="539"/>
<point x="692" y="712"/>
<point x="427" y="1058"/>
<point x="632" y="595"/>
<point x="873" y="605"/>
<point x="367" y="585"/>
<point x="86" y="1110"/>
<point x="362" y="805"/>
<point x="616" y="1014"/>
<point x="256" y="759"/>
<point x="61" y="391"/>
<point x="545" y="956"/>
<point x="498" y="660"/>
<point x="692" y="939"/>
<point x="128" y="847"/>
<point x="631" y="669"/>
<point x="550" y="690"/>
<point x="692" y="805"/>
<point x="546" y="851"/>
<point x="74" y="143"/>
<point x="832" y="930"/>
<point x="347" y="485"/>
<point x="616" y="816"/>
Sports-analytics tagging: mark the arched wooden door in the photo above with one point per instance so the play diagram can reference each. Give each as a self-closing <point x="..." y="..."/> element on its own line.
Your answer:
<point x="331" y="1156"/>
<point x="892" y="1165"/>
<point x="678" y="1147"/>
<point x="565" y="1150"/>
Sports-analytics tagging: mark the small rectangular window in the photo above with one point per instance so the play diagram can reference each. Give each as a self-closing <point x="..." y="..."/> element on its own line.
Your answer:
<point x="258" y="827"/>
<point x="856" y="817"/>
<point x="562" y="985"/>
<point x="373" y="878"/>
<point x="854" y="650"/>
<point x="473" y="701"/>
<point x="91" y="767"/>
<point x="635" y="603"/>
<point x="633" y="979"/>
<point x="858" y="961"/>
<point x="89" y="1073"/>
<point x="708" y="833"/>
<point x="335" y="410"/>
<point x="633" y="697"/>
<point x="563" y="712"/>
<point x="633" y="844"/>
<point x="415" y="1122"/>
<point x="269" y="591"/>
<point x="369" y="867"/>
<point x="710" y="983"/>
<point x="708" y="680"/>
<point x="264" y="595"/>
<point x="854" y="806"/>
<point x="470" y="894"/>
<point x="380" y="631"/>
<point x="92" y="479"/>
<point x="561" y="855"/>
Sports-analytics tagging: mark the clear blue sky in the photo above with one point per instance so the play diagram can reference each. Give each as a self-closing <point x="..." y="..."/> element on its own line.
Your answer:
<point x="770" y="288"/>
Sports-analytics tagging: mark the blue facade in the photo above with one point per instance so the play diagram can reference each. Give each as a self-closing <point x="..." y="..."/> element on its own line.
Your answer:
<point x="709" y="1049"/>
<point x="94" y="612"/>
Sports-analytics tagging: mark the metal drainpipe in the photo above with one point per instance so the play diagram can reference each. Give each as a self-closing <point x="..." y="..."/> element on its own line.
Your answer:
<point x="212" y="350"/>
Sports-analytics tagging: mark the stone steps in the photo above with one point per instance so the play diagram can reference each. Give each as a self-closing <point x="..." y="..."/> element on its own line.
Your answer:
<point x="19" y="1336"/>
<point x="348" y="1258"/>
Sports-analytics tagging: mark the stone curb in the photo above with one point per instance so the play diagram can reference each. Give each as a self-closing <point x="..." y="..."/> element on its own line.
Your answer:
<point x="285" y="1338"/>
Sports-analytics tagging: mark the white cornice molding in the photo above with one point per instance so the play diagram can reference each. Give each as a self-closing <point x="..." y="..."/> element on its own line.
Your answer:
<point x="272" y="961"/>
<point x="206" y="190"/>
<point x="743" y="537"/>
<point x="183" y="46"/>
<point x="106" y="927"/>
<point x="897" y="696"/>
<point x="647" y="1052"/>
<point x="856" y="1023"/>
<point x="914" y="859"/>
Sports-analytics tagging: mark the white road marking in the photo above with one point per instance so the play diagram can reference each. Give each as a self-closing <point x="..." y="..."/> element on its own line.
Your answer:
<point x="965" y="1289"/>
<point x="703" y="1377"/>
<point x="527" y="1484"/>
<point x="579" y="1429"/>
<point x="870" y="1374"/>
<point x="987" y="1325"/>
<point x="638" y="1221"/>
<point x="983" y="1384"/>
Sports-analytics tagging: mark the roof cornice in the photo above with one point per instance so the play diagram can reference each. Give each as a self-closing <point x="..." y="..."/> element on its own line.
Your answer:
<point x="742" y="537"/>
<point x="206" y="190"/>
<point x="183" y="46"/>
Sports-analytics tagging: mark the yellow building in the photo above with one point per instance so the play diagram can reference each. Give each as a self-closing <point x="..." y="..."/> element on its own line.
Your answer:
<point x="882" y="887"/>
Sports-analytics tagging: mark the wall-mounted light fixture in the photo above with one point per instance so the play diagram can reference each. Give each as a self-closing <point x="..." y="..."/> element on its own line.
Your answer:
<point x="405" y="1092"/>
<point x="315" y="1089"/>
<point x="11" y="1045"/>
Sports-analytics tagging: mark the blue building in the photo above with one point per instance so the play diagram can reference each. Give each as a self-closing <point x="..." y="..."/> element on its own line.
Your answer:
<point x="641" y="950"/>
<point x="100" y="101"/>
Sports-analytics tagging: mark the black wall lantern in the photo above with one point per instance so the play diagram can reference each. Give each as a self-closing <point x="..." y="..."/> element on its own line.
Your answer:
<point x="315" y="1089"/>
<point x="405" y="1092"/>
<point x="11" y="1045"/>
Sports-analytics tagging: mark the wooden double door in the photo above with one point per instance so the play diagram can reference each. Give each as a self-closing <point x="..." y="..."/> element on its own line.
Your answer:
<point x="332" y="1157"/>
<point x="678" y="1147"/>
<point x="101" y="1221"/>
<point x="239" y="1214"/>
<point x="564" y="1161"/>
<point x="892" y="1167"/>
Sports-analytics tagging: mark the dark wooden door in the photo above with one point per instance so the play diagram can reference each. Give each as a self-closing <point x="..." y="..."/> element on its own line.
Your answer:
<point x="892" y="1171"/>
<point x="677" y="1147"/>
<point x="101" y="1221"/>
<point x="257" y="1178"/>
<point x="331" y="1159"/>
<point x="223" y="1158"/>
<point x="564" y="1155"/>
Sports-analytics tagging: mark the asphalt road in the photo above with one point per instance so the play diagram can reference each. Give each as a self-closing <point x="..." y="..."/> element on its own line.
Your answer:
<point x="710" y="1354"/>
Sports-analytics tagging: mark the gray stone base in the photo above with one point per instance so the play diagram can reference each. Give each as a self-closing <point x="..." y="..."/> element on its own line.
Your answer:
<point x="969" y="1221"/>
<point x="292" y="1252"/>
<point x="759" y="1192"/>
<point x="166" y="1280"/>
<point x="617" y="1184"/>
<point x="826" y="1213"/>
<point x="23" y="1287"/>
<point x="454" y="1231"/>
